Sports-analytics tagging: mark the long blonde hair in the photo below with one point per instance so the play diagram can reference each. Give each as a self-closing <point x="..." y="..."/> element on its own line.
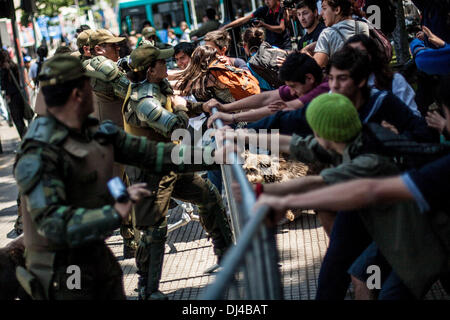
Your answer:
<point x="194" y="79"/>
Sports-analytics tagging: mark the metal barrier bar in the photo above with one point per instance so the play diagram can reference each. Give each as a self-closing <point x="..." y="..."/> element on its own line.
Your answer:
<point x="255" y="246"/>
<point x="235" y="256"/>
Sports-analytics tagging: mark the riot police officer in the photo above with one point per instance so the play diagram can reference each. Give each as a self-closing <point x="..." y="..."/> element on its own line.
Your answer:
<point x="153" y="112"/>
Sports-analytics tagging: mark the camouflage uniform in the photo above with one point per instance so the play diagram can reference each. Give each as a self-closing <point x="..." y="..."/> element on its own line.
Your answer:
<point x="148" y="113"/>
<point x="109" y="94"/>
<point x="69" y="211"/>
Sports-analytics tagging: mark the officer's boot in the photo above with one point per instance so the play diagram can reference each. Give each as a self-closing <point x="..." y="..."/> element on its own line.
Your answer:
<point x="155" y="270"/>
<point x="214" y="220"/>
<point x="142" y="260"/>
<point x="156" y="240"/>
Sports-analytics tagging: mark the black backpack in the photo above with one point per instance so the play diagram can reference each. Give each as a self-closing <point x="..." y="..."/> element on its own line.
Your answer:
<point x="264" y="63"/>
<point x="406" y="153"/>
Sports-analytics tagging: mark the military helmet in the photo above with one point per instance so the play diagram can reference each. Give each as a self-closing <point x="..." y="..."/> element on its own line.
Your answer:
<point x="143" y="56"/>
<point x="103" y="36"/>
<point x="83" y="38"/>
<point x="148" y="32"/>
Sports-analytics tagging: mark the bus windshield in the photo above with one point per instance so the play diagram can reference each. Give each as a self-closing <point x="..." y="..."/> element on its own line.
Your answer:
<point x="168" y="14"/>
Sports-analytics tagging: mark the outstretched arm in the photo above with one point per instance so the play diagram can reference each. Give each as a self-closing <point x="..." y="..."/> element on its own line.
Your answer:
<point x="237" y="22"/>
<point x="351" y="195"/>
<point x="251" y="102"/>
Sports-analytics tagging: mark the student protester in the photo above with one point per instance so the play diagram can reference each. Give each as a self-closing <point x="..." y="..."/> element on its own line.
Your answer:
<point x="421" y="257"/>
<point x="261" y="56"/>
<point x="271" y="17"/>
<point x="198" y="80"/>
<point x="220" y="40"/>
<point x="182" y="53"/>
<point x="307" y="15"/>
<point x="337" y="16"/>
<point x="304" y="81"/>
<point x="383" y="78"/>
<point x="337" y="140"/>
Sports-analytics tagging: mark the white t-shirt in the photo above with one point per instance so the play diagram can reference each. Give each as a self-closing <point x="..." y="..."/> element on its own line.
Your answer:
<point x="333" y="38"/>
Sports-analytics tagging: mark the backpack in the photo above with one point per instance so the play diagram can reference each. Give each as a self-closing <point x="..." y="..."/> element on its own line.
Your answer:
<point x="380" y="39"/>
<point x="241" y="83"/>
<point x="264" y="63"/>
<point x="377" y="35"/>
<point x="406" y="153"/>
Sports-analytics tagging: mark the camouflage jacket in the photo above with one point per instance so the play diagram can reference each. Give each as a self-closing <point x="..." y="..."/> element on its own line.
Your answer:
<point x="68" y="203"/>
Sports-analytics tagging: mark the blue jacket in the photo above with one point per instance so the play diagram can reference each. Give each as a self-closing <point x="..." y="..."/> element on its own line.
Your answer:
<point x="431" y="61"/>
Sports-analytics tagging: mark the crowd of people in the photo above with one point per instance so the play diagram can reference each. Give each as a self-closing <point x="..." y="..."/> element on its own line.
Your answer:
<point x="112" y="107"/>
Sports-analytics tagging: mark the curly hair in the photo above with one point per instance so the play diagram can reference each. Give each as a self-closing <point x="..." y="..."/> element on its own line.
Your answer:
<point x="221" y="38"/>
<point x="194" y="79"/>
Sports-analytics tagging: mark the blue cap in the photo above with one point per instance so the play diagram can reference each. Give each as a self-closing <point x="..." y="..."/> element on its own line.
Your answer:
<point x="27" y="59"/>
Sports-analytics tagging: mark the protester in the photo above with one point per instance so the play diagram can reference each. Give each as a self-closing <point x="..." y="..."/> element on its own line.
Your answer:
<point x="303" y="79"/>
<point x="383" y="78"/>
<point x="198" y="79"/>
<point x="420" y="252"/>
<point x="337" y="16"/>
<point x="182" y="53"/>
<point x="262" y="58"/>
<point x="220" y="40"/>
<point x="337" y="140"/>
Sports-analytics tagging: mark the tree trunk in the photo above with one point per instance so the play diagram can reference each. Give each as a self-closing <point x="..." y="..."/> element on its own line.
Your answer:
<point x="400" y="35"/>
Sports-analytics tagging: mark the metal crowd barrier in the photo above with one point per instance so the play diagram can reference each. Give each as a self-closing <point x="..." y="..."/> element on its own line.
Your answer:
<point x="249" y="270"/>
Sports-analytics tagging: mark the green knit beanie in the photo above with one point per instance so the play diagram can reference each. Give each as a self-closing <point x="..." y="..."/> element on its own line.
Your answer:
<point x="333" y="117"/>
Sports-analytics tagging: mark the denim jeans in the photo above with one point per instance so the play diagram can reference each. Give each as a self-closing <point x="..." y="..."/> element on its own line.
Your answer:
<point x="215" y="176"/>
<point x="392" y="288"/>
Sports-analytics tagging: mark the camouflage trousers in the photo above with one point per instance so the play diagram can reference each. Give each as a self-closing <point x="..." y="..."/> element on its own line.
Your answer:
<point x="150" y="213"/>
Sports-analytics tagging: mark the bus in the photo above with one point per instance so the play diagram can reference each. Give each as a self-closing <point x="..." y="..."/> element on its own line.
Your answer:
<point x="132" y="14"/>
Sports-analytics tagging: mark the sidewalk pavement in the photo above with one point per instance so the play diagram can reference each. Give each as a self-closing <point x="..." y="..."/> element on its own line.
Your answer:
<point x="301" y="246"/>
